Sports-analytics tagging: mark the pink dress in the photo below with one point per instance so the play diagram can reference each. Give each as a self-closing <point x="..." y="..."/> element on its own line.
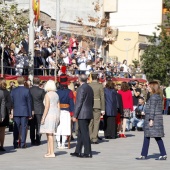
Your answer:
<point x="53" y="115"/>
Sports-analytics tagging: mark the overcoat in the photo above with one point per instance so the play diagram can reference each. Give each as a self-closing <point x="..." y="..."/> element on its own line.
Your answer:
<point x="153" y="111"/>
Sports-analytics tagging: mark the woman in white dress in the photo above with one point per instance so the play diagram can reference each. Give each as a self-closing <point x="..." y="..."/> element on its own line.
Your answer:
<point x="51" y="116"/>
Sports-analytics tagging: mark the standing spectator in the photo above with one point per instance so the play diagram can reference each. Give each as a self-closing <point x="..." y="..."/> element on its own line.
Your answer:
<point x="5" y="101"/>
<point x="136" y="92"/>
<point x="82" y="63"/>
<point x="167" y="94"/>
<point x="51" y="63"/>
<point x="98" y="108"/>
<point x="127" y="105"/>
<point x="111" y="105"/>
<point x="38" y="109"/>
<point x="22" y="110"/>
<point x="73" y="42"/>
<point x="83" y="112"/>
<point x="51" y="116"/>
<point x="11" y="86"/>
<point x="153" y="125"/>
<point x="25" y="43"/>
<point x="125" y="67"/>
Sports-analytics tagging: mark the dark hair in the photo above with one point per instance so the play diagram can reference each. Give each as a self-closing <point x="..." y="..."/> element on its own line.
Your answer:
<point x="110" y="85"/>
<point x="94" y="76"/>
<point x="83" y="78"/>
<point x="36" y="80"/>
<point x="137" y="81"/>
<point x="124" y="61"/>
<point x="2" y="83"/>
<point x="125" y="86"/>
<point x="154" y="85"/>
<point x="141" y="98"/>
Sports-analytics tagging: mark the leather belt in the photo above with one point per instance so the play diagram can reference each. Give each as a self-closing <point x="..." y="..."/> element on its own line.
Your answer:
<point x="63" y="106"/>
<point x="96" y="99"/>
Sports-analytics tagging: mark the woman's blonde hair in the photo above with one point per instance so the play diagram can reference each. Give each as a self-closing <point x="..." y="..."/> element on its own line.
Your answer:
<point x="50" y="86"/>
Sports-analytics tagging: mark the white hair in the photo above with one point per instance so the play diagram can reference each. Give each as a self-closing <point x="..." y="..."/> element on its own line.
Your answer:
<point x="50" y="86"/>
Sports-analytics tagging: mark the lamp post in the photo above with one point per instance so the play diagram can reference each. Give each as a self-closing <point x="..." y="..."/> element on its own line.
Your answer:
<point x="31" y="41"/>
<point x="57" y="33"/>
<point x="127" y="47"/>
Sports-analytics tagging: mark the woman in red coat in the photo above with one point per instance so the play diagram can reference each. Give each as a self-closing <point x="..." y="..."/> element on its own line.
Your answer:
<point x="127" y="105"/>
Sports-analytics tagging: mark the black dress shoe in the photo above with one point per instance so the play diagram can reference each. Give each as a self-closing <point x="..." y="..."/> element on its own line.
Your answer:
<point x="75" y="154"/>
<point x="141" y="158"/>
<point x="2" y="149"/>
<point x="99" y="138"/>
<point x="86" y="156"/>
<point x="161" y="158"/>
<point x="16" y="147"/>
<point x="94" y="143"/>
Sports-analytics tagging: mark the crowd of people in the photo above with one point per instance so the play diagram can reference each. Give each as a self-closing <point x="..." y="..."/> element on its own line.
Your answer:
<point x="51" y="51"/>
<point x="54" y="108"/>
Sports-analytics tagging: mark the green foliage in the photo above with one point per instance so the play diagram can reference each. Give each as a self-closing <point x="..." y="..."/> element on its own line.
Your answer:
<point x="135" y="63"/>
<point x="156" y="58"/>
<point x="13" y="24"/>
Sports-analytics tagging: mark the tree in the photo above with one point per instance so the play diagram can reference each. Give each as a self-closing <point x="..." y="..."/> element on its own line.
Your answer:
<point x="156" y="57"/>
<point x="13" y="24"/>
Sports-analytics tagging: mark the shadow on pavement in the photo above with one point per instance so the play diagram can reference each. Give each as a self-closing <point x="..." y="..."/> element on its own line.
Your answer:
<point x="129" y="135"/>
<point x="154" y="156"/>
<point x="60" y="153"/>
<point x="9" y="149"/>
<point x="95" y="153"/>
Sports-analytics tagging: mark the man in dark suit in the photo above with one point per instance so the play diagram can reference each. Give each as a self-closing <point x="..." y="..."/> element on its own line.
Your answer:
<point x="84" y="113"/>
<point x="38" y="108"/>
<point x="22" y="111"/>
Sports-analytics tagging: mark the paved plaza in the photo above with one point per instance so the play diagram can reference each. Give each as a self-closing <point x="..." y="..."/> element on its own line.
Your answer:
<point x="116" y="154"/>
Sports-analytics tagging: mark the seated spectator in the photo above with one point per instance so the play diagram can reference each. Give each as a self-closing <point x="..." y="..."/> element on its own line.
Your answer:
<point x="138" y="118"/>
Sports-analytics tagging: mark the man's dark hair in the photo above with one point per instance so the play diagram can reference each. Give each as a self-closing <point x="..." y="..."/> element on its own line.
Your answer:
<point x="94" y="76"/>
<point x="36" y="81"/>
<point x="83" y="78"/>
<point x="141" y="98"/>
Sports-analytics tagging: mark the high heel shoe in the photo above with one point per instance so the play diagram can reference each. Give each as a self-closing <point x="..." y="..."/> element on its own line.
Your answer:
<point x="123" y="136"/>
<point x="141" y="158"/>
<point x="161" y="158"/>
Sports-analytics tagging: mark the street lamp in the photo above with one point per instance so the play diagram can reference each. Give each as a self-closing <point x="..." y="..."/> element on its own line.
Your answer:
<point x="127" y="48"/>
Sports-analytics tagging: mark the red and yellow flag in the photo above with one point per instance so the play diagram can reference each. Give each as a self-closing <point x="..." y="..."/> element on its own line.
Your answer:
<point x="36" y="9"/>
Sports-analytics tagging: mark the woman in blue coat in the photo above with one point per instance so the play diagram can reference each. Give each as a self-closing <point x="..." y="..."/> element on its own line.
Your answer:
<point x="153" y="124"/>
<point x="110" y="129"/>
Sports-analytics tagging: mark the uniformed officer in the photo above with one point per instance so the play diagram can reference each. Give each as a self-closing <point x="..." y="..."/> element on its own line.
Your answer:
<point x="98" y="108"/>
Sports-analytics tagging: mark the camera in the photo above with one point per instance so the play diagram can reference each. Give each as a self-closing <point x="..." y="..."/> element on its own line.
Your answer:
<point x="132" y="83"/>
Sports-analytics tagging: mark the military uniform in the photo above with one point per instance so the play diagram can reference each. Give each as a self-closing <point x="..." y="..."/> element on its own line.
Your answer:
<point x="99" y="105"/>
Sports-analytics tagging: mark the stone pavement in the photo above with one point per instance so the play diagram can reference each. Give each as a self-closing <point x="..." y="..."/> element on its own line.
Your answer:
<point x="116" y="154"/>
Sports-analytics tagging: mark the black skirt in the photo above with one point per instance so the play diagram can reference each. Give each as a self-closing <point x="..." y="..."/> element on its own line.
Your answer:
<point x="5" y="122"/>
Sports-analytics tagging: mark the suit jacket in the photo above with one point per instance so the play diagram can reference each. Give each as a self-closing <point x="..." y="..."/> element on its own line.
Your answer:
<point x="21" y="101"/>
<point x="110" y="102"/>
<point x="84" y="102"/>
<point x="120" y="104"/>
<point x="99" y="101"/>
<point x="2" y="104"/>
<point x="37" y="95"/>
